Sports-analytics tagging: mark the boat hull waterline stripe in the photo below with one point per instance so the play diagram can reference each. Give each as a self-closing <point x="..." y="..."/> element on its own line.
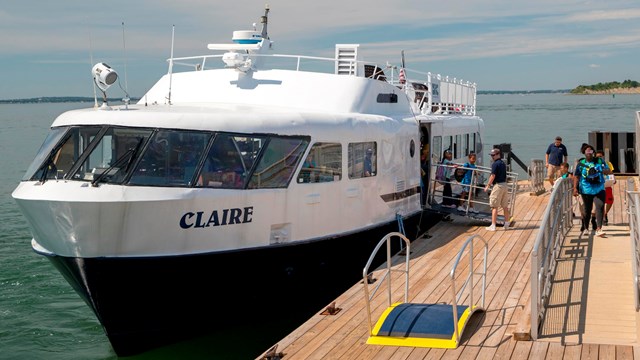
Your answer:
<point x="400" y="194"/>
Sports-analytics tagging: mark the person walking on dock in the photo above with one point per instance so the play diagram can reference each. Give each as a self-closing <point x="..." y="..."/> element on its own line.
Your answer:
<point x="556" y="155"/>
<point x="499" y="194"/>
<point x="588" y="181"/>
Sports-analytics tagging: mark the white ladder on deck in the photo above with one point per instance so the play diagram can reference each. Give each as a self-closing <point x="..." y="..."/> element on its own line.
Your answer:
<point x="346" y="59"/>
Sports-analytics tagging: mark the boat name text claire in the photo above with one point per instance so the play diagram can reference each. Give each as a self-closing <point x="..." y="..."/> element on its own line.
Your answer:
<point x="228" y="217"/>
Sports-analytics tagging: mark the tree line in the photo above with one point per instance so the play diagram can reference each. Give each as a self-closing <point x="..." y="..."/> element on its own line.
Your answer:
<point x="581" y="89"/>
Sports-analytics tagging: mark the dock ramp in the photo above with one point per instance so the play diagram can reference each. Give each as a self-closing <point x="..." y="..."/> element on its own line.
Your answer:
<point x="424" y="325"/>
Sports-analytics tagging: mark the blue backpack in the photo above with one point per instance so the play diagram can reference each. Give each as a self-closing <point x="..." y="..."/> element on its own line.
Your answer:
<point x="591" y="172"/>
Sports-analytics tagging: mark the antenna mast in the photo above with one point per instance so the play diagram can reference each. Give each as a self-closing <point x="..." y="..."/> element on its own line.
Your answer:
<point x="173" y="32"/>
<point x="126" y="84"/>
<point x="264" y="20"/>
<point x="95" y="93"/>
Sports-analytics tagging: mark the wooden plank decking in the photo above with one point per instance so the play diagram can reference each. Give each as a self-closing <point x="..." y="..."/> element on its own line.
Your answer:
<point x="592" y="313"/>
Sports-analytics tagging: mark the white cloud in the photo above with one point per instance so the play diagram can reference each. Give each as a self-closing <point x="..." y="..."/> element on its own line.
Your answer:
<point x="604" y="15"/>
<point x="594" y="66"/>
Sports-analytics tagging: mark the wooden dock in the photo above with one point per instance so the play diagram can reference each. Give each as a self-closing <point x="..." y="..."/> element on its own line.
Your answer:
<point x="591" y="314"/>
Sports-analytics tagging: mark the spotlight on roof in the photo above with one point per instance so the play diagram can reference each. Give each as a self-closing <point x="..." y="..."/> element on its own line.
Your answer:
<point x="104" y="76"/>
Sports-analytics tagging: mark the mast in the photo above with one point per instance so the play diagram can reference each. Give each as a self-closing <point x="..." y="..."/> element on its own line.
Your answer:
<point x="264" y="20"/>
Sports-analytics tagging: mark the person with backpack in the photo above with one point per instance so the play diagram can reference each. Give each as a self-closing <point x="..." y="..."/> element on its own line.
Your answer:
<point x="588" y="181"/>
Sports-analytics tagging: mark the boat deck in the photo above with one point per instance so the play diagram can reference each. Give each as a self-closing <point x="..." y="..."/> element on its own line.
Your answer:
<point x="591" y="313"/>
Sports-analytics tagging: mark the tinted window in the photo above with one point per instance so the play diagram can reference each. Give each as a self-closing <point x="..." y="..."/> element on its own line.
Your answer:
<point x="113" y="155"/>
<point x="44" y="153"/>
<point x="229" y="160"/>
<point x="323" y="164"/>
<point x="278" y="162"/>
<point x="362" y="159"/>
<point x="170" y="158"/>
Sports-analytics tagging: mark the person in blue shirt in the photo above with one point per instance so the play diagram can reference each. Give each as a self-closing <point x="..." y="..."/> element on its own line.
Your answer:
<point x="556" y="155"/>
<point x="467" y="189"/>
<point x="588" y="181"/>
<point x="500" y="193"/>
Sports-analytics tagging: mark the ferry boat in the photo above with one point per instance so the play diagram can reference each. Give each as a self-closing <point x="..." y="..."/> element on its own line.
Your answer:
<point x="231" y="184"/>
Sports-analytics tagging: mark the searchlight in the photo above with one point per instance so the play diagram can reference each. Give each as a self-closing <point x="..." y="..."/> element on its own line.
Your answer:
<point x="104" y="76"/>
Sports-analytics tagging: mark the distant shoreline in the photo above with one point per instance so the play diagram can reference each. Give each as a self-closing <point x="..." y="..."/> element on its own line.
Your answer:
<point x="621" y="91"/>
<point x="61" y="99"/>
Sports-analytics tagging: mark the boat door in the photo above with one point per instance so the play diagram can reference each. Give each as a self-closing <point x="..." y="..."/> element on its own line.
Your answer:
<point x="425" y="162"/>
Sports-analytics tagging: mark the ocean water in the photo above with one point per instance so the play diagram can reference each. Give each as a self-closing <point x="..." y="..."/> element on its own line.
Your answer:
<point x="41" y="317"/>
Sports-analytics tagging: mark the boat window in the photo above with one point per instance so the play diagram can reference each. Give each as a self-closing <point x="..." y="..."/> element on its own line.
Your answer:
<point x="447" y="143"/>
<point x="362" y="159"/>
<point x="65" y="155"/>
<point x="436" y="149"/>
<point x="229" y="160"/>
<point x="278" y="161"/>
<point x="465" y="144"/>
<point x="113" y="155"/>
<point x="323" y="164"/>
<point x="458" y="147"/>
<point x="44" y="153"/>
<point x="472" y="143"/>
<point x="171" y="158"/>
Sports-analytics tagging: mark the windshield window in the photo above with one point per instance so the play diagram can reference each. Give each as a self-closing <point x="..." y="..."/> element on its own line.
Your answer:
<point x="170" y="158"/>
<point x="66" y="154"/>
<point x="114" y="154"/>
<point x="278" y="162"/>
<point x="44" y="153"/>
<point x="229" y="160"/>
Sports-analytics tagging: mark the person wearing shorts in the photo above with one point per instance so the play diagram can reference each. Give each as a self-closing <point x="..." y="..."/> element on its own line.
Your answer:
<point x="556" y="154"/>
<point x="499" y="197"/>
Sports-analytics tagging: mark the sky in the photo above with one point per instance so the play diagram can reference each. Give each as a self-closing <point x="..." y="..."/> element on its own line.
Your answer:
<point x="49" y="47"/>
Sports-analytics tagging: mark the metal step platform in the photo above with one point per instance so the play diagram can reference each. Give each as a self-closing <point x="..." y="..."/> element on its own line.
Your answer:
<point x="421" y="325"/>
<point x="424" y="325"/>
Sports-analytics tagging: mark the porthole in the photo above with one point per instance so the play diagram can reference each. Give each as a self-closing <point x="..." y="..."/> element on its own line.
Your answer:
<point x="412" y="148"/>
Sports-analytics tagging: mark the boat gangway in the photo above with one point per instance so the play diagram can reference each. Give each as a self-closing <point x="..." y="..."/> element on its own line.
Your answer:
<point x="590" y="304"/>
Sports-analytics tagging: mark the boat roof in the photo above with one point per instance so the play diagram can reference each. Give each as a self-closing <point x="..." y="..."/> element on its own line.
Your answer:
<point x="228" y="117"/>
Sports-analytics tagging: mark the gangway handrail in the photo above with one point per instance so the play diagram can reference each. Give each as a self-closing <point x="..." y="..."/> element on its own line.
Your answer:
<point x="556" y="223"/>
<point x="633" y="210"/>
<point x="365" y="273"/>
<point x="479" y="173"/>
<point x="536" y="176"/>
<point x="469" y="281"/>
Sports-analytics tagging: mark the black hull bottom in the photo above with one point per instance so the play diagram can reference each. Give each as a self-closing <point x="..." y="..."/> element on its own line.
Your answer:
<point x="143" y="303"/>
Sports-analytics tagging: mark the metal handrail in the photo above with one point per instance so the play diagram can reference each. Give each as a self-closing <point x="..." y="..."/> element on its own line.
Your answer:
<point x="556" y="223"/>
<point x="536" y="176"/>
<point x="469" y="281"/>
<point x="365" y="273"/>
<point x="633" y="209"/>
<point x="478" y="173"/>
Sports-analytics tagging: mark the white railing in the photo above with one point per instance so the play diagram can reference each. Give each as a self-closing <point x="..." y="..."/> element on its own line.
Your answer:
<point x="475" y="194"/>
<point x="633" y="209"/>
<point x="536" y="176"/>
<point x="443" y="95"/>
<point x="468" y="283"/>
<point x="556" y="222"/>
<point x="386" y="274"/>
